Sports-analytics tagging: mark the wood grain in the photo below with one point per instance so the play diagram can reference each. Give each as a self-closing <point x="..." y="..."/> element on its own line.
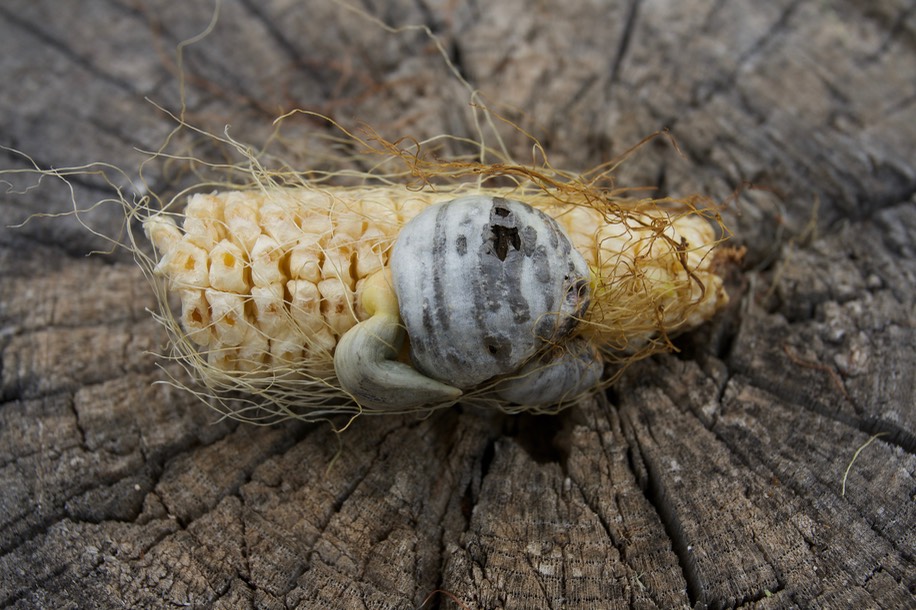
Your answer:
<point x="712" y="477"/>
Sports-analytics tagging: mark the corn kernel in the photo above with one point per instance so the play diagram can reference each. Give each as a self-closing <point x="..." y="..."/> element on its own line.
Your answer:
<point x="305" y="306"/>
<point x="162" y="232"/>
<point x="242" y="220"/>
<point x="305" y="258"/>
<point x="266" y="256"/>
<point x="204" y="225"/>
<point x="337" y="305"/>
<point x="228" y="268"/>
<point x="227" y="310"/>
<point x="195" y="316"/>
<point x="270" y="309"/>
<point x="185" y="265"/>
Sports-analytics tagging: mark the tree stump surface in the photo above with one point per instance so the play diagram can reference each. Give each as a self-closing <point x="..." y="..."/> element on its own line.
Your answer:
<point x="719" y="476"/>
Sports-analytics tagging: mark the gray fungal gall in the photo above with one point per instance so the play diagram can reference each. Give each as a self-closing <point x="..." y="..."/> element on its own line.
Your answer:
<point x="477" y="268"/>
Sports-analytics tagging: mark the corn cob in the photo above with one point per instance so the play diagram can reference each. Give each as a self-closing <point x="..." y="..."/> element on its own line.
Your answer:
<point x="270" y="283"/>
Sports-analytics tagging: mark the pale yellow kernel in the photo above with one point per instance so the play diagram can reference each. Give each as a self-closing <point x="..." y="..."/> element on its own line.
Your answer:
<point x="227" y="310"/>
<point x="270" y="313"/>
<point x="162" y="232"/>
<point x="305" y="258"/>
<point x="375" y="294"/>
<point x="195" y="316"/>
<point x="185" y="265"/>
<point x="372" y="252"/>
<point x="305" y="306"/>
<point x="203" y="224"/>
<point x="228" y="268"/>
<point x="266" y="256"/>
<point x="337" y="305"/>
<point x="241" y="215"/>
<point x="699" y="239"/>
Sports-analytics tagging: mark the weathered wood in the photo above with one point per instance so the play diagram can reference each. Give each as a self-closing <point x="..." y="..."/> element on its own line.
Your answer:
<point x="714" y="477"/>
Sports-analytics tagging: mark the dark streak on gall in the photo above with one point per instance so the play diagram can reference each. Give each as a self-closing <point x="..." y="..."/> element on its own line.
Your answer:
<point x="503" y="237"/>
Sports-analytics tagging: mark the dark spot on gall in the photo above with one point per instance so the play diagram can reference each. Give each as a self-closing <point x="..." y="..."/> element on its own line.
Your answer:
<point x="577" y="296"/>
<point x="503" y="237"/>
<point x="498" y="347"/>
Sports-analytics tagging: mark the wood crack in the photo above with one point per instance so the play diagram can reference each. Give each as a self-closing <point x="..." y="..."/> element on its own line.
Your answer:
<point x="59" y="512"/>
<point x="894" y="26"/>
<point x="770" y="474"/>
<point x="726" y="81"/>
<point x="32" y="165"/>
<point x="807" y="97"/>
<point x="48" y="40"/>
<point x="656" y="495"/>
<point x="895" y="433"/>
<point x="21" y="593"/>
<point x="286" y="46"/>
<point x="626" y="36"/>
<point x="534" y="570"/>
<point x="615" y="538"/>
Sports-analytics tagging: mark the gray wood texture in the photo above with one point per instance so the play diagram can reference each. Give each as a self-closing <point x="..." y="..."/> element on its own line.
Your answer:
<point x="713" y="477"/>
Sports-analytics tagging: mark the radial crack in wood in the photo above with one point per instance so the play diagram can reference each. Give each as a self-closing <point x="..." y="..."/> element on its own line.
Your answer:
<point x="713" y="476"/>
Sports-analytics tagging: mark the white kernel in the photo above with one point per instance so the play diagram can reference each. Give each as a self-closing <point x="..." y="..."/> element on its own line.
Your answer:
<point x="266" y="256"/>
<point x="279" y="220"/>
<point x="286" y="350"/>
<point x="227" y="311"/>
<point x="337" y="305"/>
<point x="195" y="316"/>
<point x="253" y="352"/>
<point x="163" y="232"/>
<point x="203" y="223"/>
<point x="186" y="266"/>
<point x="371" y="252"/>
<point x="228" y="267"/>
<point x="322" y="342"/>
<point x="222" y="357"/>
<point x="317" y="224"/>
<point x="337" y="256"/>
<point x="380" y="214"/>
<point x="305" y="306"/>
<point x="242" y="220"/>
<point x="270" y="311"/>
<point x="305" y="258"/>
<point x="409" y="207"/>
